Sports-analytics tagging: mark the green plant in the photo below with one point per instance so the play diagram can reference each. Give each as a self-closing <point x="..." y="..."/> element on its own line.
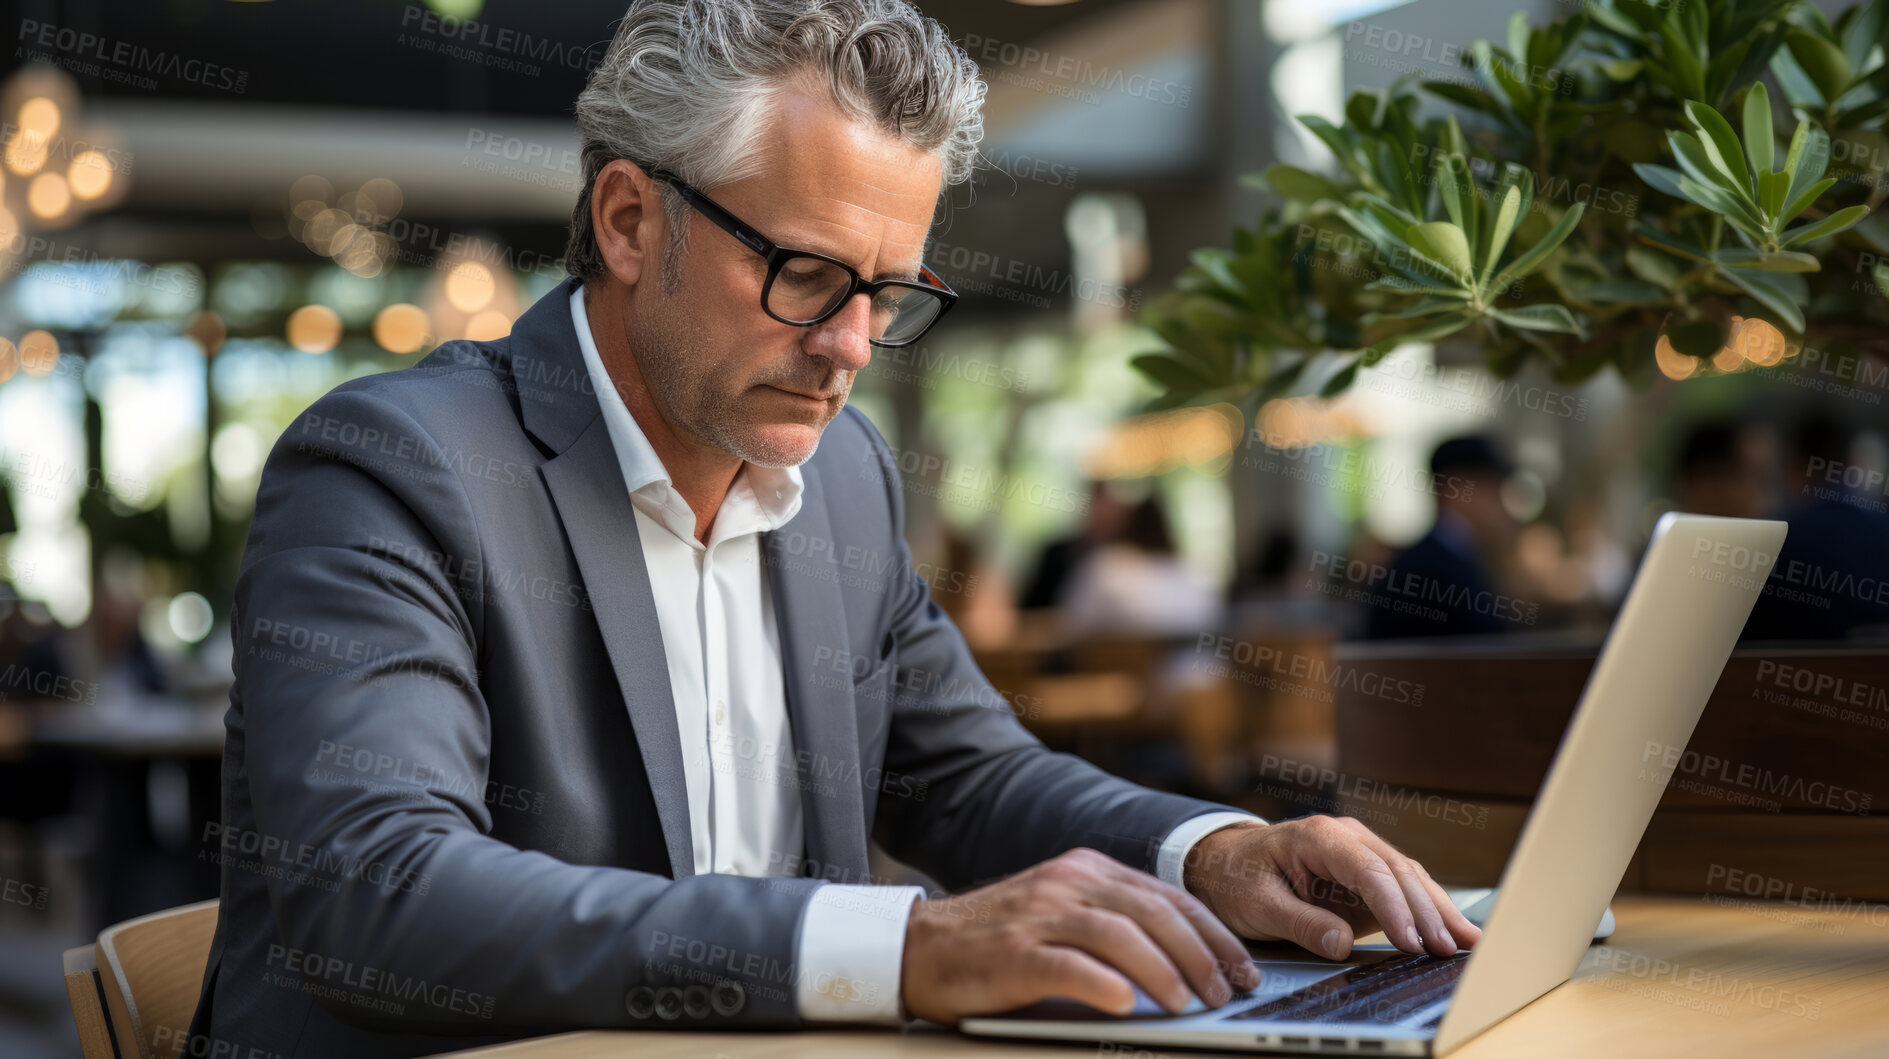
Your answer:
<point x="1579" y="196"/>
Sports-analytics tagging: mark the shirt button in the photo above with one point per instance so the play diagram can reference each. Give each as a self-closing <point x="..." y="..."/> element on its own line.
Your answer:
<point x="721" y="712"/>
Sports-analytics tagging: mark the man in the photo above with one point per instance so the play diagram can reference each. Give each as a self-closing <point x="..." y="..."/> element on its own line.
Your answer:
<point x="556" y="705"/>
<point x="1831" y="577"/>
<point x="1721" y="469"/>
<point x="1448" y="568"/>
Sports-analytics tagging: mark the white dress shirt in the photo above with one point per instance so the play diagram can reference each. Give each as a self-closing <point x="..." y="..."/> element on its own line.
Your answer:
<point x="714" y="609"/>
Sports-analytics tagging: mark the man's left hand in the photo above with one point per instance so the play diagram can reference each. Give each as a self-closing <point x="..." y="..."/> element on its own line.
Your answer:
<point x="1323" y="882"/>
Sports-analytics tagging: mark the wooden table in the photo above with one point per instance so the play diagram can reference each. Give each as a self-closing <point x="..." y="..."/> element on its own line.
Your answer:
<point x="1680" y="976"/>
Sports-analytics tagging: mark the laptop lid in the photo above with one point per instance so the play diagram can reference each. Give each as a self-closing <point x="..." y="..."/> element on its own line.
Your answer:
<point x="1695" y="588"/>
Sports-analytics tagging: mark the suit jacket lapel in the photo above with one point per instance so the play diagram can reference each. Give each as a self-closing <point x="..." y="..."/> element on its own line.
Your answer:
<point x="810" y="615"/>
<point x="587" y="484"/>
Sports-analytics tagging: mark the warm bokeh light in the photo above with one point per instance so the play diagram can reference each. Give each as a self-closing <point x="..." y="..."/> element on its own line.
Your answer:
<point x="9" y="359"/>
<point x="39" y="353"/>
<point x="9" y="228"/>
<point x="1298" y="422"/>
<point x="488" y="325"/>
<point x="26" y="152"/>
<point x="90" y="174"/>
<point x="1164" y="441"/>
<point x="469" y="287"/>
<point x="401" y="328"/>
<point x="314" y="329"/>
<point x="1728" y="358"/>
<point x="1672" y="363"/>
<point x="48" y="196"/>
<point x="1761" y="343"/>
<point x="378" y="200"/>
<point x="40" y="116"/>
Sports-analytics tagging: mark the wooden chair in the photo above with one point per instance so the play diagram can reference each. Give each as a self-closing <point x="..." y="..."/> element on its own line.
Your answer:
<point x="134" y="991"/>
<point x="88" y="1004"/>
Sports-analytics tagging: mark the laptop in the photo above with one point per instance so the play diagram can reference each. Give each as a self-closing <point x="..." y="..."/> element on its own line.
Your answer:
<point x="1695" y="587"/>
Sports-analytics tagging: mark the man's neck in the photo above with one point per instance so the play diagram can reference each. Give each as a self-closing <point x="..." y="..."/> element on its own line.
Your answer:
<point x="702" y="473"/>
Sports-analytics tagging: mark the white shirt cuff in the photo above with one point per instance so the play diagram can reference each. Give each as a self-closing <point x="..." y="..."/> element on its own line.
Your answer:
<point x="1171" y="862"/>
<point x="851" y="949"/>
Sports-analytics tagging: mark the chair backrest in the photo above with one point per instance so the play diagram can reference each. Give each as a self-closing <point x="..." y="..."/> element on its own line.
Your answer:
<point x="151" y="971"/>
<point x="88" y="1004"/>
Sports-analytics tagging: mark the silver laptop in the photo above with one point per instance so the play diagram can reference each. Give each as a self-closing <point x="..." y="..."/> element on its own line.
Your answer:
<point x="1695" y="588"/>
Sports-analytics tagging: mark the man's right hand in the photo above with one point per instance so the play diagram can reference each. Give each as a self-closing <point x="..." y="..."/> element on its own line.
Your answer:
<point x="1082" y="925"/>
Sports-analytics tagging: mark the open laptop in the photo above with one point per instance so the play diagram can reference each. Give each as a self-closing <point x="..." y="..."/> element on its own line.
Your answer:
<point x="1695" y="588"/>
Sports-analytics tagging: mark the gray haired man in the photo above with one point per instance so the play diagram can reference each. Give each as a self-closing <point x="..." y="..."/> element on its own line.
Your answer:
<point x="555" y="705"/>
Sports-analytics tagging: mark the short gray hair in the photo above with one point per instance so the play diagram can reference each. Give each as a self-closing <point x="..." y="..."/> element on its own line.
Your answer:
<point x="687" y="86"/>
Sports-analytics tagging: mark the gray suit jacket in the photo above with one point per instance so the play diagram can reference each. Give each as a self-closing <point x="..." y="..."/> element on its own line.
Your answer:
<point x="453" y="800"/>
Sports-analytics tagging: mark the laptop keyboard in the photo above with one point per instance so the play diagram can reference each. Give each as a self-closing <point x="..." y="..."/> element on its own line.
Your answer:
<point x="1388" y="991"/>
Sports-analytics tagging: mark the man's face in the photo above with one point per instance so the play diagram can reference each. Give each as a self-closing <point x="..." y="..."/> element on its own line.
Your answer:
<point x="717" y="366"/>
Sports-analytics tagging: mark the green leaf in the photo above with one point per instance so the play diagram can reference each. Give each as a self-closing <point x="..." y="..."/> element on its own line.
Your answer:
<point x="1652" y="267"/>
<point x="1802" y="202"/>
<point x="1760" y="140"/>
<point x="1808" y="157"/>
<point x="1296" y="183"/>
<point x="1880" y="273"/>
<point x="1544" y="317"/>
<point x="1507" y="212"/>
<point x="1689" y="151"/>
<point x="1177" y="375"/>
<point x="1447" y="244"/>
<point x="1535" y="255"/>
<point x="1340" y="382"/>
<point x="1721" y="143"/>
<point x="1724" y="203"/>
<point x="1771" y="189"/>
<point x="1781" y="261"/>
<point x="1660" y="178"/>
<point x="1828" y="226"/>
<point x="1457" y="189"/>
<point x="1768" y="294"/>
<point x="1821" y="61"/>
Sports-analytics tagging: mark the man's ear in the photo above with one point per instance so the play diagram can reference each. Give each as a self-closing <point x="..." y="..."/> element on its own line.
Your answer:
<point x="626" y="215"/>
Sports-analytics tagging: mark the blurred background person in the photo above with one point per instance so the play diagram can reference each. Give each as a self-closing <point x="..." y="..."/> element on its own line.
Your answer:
<point x="1831" y="578"/>
<point x="1722" y="470"/>
<point x="1454" y="567"/>
<point x="1138" y="583"/>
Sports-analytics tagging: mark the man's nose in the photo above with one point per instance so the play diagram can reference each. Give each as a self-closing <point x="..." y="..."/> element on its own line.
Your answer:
<point x="843" y="337"/>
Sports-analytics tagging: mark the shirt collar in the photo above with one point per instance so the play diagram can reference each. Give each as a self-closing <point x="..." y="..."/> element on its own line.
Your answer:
<point x="775" y="492"/>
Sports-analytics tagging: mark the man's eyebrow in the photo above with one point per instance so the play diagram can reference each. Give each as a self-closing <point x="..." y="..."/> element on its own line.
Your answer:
<point x="909" y="274"/>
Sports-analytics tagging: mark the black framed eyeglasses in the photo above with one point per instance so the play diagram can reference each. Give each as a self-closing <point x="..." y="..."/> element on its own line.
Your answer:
<point x="804" y="288"/>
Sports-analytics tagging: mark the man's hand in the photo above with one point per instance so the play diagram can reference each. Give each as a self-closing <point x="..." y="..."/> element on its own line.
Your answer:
<point x="1323" y="882"/>
<point x="1083" y="926"/>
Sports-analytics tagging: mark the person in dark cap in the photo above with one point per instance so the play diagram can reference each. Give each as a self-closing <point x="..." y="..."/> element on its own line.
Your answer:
<point x="1443" y="585"/>
<point x="1720" y="471"/>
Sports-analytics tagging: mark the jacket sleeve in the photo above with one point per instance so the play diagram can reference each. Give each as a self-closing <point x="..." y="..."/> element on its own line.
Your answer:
<point x="996" y="800"/>
<point x="343" y="642"/>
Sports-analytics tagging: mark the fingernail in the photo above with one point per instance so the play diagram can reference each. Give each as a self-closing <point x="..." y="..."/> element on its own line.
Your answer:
<point x="1330" y="943"/>
<point x="1416" y="942"/>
